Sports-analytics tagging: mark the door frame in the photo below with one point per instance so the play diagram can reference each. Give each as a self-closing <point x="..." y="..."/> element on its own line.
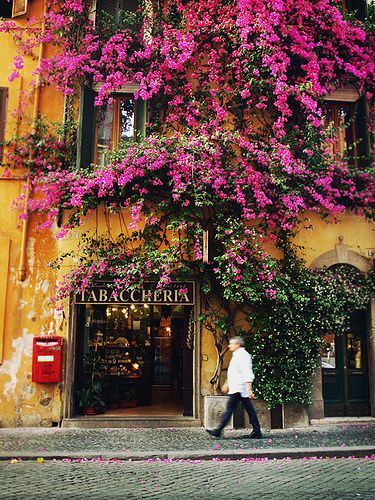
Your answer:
<point x="69" y="410"/>
<point x="340" y="253"/>
<point x="342" y="374"/>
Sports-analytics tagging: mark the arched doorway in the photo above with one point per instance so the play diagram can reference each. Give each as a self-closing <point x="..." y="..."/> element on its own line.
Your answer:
<point x="345" y="375"/>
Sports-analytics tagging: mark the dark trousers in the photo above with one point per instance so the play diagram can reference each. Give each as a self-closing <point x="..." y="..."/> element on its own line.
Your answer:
<point x="234" y="399"/>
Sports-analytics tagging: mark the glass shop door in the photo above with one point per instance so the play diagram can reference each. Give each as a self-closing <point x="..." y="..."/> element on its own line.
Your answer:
<point x="345" y="371"/>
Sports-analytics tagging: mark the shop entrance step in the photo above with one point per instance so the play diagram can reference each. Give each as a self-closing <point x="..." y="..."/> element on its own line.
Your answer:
<point x="342" y="420"/>
<point x="101" y="421"/>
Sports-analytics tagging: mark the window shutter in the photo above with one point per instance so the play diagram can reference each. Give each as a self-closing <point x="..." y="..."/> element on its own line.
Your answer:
<point x="363" y="137"/>
<point x="108" y="6"/>
<point x="141" y="118"/>
<point x="3" y="114"/>
<point x="19" y="8"/>
<point x="130" y="5"/>
<point x="86" y="130"/>
<point x="357" y="6"/>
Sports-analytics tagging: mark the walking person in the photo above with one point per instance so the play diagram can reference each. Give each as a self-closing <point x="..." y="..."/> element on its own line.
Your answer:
<point x="239" y="388"/>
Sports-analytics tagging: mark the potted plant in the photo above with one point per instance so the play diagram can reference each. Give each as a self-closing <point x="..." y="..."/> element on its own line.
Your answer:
<point x="91" y="398"/>
<point x="90" y="395"/>
<point x="130" y="399"/>
<point x="221" y="325"/>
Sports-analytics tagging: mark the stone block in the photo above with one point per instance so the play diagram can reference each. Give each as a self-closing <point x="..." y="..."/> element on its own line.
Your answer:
<point x="264" y="414"/>
<point x="214" y="407"/>
<point x="316" y="410"/>
<point x="295" y="415"/>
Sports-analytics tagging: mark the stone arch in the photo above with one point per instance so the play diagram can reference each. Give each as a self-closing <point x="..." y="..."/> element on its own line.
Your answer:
<point x="342" y="255"/>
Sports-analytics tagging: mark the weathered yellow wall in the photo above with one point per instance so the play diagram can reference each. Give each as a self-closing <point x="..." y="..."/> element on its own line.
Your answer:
<point x="358" y="234"/>
<point x="36" y="315"/>
<point x="27" y="309"/>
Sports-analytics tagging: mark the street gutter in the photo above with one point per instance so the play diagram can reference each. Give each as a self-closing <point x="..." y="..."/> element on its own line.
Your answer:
<point x="279" y="453"/>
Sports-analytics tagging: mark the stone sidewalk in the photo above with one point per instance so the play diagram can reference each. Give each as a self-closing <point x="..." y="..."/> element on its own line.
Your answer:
<point x="184" y="443"/>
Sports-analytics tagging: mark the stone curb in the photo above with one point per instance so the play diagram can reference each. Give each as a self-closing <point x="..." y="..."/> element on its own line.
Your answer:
<point x="292" y="453"/>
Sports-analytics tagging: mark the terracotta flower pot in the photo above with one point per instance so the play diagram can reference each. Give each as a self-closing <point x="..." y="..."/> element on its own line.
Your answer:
<point x="90" y="410"/>
<point x="128" y="404"/>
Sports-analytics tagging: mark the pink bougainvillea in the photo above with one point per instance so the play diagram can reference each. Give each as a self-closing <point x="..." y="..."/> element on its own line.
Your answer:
<point x="238" y="85"/>
<point x="239" y="147"/>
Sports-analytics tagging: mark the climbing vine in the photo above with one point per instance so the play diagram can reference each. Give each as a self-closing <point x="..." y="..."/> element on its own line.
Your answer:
<point x="288" y="328"/>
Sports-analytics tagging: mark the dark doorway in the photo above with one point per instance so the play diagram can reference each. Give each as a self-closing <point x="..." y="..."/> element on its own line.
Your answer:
<point x="345" y="371"/>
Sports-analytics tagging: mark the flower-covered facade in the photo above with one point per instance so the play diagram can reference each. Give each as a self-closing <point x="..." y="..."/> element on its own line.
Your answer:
<point x="176" y="173"/>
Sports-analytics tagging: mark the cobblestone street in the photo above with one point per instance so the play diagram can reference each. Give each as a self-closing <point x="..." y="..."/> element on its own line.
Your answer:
<point x="273" y="479"/>
<point x="98" y="466"/>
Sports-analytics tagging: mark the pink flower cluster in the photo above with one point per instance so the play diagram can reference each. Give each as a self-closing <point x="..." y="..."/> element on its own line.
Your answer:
<point x="236" y="94"/>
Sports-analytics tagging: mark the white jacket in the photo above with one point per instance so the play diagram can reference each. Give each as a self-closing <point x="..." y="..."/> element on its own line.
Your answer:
<point x="240" y="371"/>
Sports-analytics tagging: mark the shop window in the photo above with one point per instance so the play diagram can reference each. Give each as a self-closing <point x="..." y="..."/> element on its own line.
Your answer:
<point x="15" y="8"/>
<point x="106" y="128"/>
<point x="140" y="346"/>
<point x="354" y="350"/>
<point x="3" y="113"/>
<point x="328" y="352"/>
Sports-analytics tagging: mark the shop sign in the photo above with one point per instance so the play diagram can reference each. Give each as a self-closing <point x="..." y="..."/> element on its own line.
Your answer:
<point x="175" y="293"/>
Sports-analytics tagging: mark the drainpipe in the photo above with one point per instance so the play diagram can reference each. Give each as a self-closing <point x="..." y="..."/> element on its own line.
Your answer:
<point x="25" y="222"/>
<point x="13" y="178"/>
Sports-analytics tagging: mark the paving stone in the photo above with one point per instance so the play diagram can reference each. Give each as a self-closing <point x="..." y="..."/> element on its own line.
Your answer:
<point x="274" y="479"/>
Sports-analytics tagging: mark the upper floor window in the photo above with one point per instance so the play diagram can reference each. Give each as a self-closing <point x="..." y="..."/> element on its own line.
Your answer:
<point x="3" y="113"/>
<point x="104" y="129"/>
<point x="347" y="115"/>
<point x="342" y="118"/>
<point x="113" y="15"/>
<point x="114" y="8"/>
<point x="115" y="123"/>
<point x="359" y="7"/>
<point x="13" y="8"/>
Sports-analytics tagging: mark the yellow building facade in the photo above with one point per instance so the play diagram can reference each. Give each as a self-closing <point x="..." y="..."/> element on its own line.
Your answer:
<point x="24" y="303"/>
<point x="27" y="283"/>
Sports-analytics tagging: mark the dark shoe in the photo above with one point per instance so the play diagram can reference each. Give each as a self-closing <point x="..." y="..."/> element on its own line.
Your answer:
<point x="256" y="435"/>
<point x="214" y="432"/>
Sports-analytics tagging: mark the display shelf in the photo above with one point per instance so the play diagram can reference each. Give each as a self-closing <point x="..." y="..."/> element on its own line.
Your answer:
<point x="124" y="361"/>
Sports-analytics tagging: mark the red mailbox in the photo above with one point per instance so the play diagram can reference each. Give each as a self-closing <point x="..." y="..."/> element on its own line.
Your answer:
<point x="47" y="352"/>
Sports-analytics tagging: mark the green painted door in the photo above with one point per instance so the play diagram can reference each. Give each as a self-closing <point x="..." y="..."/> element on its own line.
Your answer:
<point x="345" y="371"/>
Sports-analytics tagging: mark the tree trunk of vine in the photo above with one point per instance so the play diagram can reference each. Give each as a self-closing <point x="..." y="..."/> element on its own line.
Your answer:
<point x="215" y="379"/>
